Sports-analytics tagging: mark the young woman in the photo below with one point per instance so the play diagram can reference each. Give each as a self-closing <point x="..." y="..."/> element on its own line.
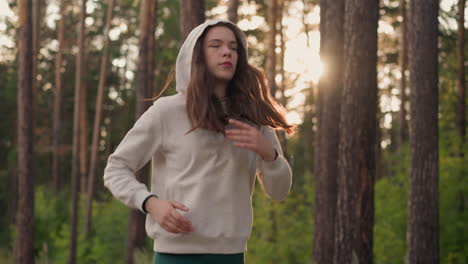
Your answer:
<point x="207" y="144"/>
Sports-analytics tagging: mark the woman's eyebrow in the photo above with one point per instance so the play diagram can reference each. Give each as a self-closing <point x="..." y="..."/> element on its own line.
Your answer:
<point x="219" y="40"/>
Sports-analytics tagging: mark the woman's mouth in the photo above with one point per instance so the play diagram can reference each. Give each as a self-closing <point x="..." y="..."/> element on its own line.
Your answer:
<point x="226" y="64"/>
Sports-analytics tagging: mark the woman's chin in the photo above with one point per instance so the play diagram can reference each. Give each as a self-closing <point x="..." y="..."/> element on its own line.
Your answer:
<point x="224" y="78"/>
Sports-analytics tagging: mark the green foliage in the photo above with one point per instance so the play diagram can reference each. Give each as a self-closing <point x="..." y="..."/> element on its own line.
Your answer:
<point x="51" y="212"/>
<point x="6" y="256"/>
<point x="453" y="184"/>
<point x="391" y="195"/>
<point x="390" y="217"/>
<point x="282" y="231"/>
<point x="52" y="231"/>
<point x="8" y="150"/>
<point x="143" y="256"/>
<point x="453" y="189"/>
<point x="106" y="243"/>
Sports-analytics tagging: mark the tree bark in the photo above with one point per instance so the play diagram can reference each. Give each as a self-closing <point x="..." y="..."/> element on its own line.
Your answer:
<point x="403" y="60"/>
<point x="233" y="6"/>
<point x="461" y="82"/>
<point x="25" y="214"/>
<point x="356" y="161"/>
<point x="98" y="118"/>
<point x="327" y="136"/>
<point x="83" y="125"/>
<point x="308" y="133"/>
<point x="304" y="22"/>
<point x="192" y="14"/>
<point x="423" y="225"/>
<point x="271" y="45"/>
<point x="37" y="18"/>
<point x="461" y="85"/>
<point x="308" y="107"/>
<point x="58" y="100"/>
<point x="83" y="117"/>
<point x="282" y="87"/>
<point x="83" y="136"/>
<point x="145" y="79"/>
<point x="83" y="114"/>
<point x="77" y="130"/>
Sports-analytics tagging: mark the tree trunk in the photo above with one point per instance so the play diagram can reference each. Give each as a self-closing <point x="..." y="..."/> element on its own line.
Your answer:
<point x="37" y="18"/>
<point x="83" y="125"/>
<point x="76" y="165"/>
<point x="308" y="124"/>
<point x="283" y="99"/>
<point x="305" y="24"/>
<point x="98" y="118"/>
<point x="271" y="45"/>
<point x="58" y="100"/>
<point x="83" y="115"/>
<point x="192" y="14"/>
<point x="281" y="10"/>
<point x="25" y="213"/>
<point x="308" y="131"/>
<point x="423" y="225"/>
<point x="148" y="10"/>
<point x="233" y="6"/>
<point x="356" y="161"/>
<point x="327" y="137"/>
<point x="461" y="105"/>
<point x="83" y="136"/>
<point x="403" y="60"/>
<point x="379" y="158"/>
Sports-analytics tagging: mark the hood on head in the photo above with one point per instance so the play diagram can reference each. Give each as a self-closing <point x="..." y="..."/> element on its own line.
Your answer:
<point x="184" y="59"/>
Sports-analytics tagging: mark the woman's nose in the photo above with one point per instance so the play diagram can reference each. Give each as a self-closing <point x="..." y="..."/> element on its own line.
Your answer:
<point x="226" y="51"/>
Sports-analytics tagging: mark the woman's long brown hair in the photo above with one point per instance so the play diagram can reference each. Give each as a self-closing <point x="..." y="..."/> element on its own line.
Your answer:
<point x="248" y="94"/>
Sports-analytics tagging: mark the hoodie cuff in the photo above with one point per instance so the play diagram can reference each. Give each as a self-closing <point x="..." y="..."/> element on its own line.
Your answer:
<point x="276" y="157"/>
<point x="139" y="198"/>
<point x="143" y="205"/>
<point x="270" y="166"/>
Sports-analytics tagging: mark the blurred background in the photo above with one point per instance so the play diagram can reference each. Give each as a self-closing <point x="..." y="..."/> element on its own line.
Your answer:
<point x="355" y="77"/>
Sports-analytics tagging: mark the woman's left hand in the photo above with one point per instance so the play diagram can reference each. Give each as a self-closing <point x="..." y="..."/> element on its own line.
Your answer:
<point x="248" y="137"/>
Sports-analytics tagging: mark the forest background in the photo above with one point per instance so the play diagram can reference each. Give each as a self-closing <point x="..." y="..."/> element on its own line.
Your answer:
<point x="91" y="66"/>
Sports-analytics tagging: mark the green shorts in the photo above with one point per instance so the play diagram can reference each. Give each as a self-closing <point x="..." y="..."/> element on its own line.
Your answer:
<point x="166" y="258"/>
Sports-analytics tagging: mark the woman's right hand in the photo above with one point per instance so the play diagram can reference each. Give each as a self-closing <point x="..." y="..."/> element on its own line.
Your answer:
<point x="164" y="211"/>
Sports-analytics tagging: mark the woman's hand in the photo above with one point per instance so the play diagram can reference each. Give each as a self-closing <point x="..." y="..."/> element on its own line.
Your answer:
<point x="248" y="137"/>
<point x="164" y="211"/>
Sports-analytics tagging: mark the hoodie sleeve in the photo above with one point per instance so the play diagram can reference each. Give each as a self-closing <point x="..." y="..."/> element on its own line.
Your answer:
<point x="135" y="150"/>
<point x="275" y="176"/>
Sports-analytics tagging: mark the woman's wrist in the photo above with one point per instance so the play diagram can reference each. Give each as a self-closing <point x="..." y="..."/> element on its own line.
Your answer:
<point x="149" y="203"/>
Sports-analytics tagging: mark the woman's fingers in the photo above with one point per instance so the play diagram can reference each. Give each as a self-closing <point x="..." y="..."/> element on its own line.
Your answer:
<point x="170" y="219"/>
<point x="182" y="227"/>
<point x="181" y="221"/>
<point x="180" y="206"/>
<point x="249" y="134"/>
<point x="242" y="142"/>
<point x="175" y="223"/>
<point x="243" y="138"/>
<point x="238" y="138"/>
<point x="171" y="227"/>
<point x="244" y="145"/>
<point x="249" y="137"/>
<point x="240" y="124"/>
<point x="239" y="131"/>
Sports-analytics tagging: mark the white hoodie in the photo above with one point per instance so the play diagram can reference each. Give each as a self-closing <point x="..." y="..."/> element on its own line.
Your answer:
<point x="201" y="170"/>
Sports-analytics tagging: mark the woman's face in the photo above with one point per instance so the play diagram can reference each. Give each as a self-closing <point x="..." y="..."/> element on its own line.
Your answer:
<point x="220" y="50"/>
